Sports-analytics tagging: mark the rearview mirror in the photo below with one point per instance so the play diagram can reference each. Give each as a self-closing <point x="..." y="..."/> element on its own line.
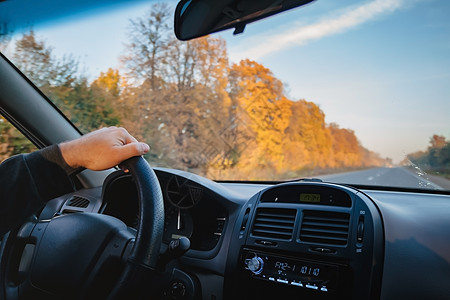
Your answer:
<point x="195" y="18"/>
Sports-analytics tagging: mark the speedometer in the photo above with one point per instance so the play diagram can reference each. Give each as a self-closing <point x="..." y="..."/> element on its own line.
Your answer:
<point x="181" y="196"/>
<point x="178" y="223"/>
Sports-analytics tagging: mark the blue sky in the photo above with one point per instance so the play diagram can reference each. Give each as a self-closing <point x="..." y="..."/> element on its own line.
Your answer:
<point x="378" y="67"/>
<point x="381" y="68"/>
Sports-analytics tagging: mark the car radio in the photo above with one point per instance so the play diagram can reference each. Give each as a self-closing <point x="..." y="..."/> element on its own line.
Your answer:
<point x="307" y="274"/>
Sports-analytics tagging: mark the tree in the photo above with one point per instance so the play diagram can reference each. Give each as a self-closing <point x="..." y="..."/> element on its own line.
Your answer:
<point x="308" y="129"/>
<point x="12" y="141"/>
<point x="437" y="141"/>
<point x="262" y="112"/>
<point x="88" y="107"/>
<point x="346" y="147"/>
<point x="436" y="158"/>
<point x="147" y="48"/>
<point x="110" y="82"/>
<point x="436" y="151"/>
<point x="198" y="112"/>
<point x="37" y="62"/>
<point x="177" y="97"/>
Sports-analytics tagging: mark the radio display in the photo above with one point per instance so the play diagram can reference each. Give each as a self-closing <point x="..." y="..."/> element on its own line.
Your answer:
<point x="310" y="198"/>
<point x="302" y="273"/>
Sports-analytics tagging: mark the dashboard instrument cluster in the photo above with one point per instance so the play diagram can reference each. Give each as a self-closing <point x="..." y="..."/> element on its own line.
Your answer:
<point x="189" y="210"/>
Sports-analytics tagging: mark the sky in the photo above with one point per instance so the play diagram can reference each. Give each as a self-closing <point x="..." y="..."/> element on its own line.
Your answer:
<point x="378" y="67"/>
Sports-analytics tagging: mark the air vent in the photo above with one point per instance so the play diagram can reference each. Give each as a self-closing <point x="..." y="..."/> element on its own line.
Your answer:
<point x="77" y="201"/>
<point x="325" y="227"/>
<point x="274" y="223"/>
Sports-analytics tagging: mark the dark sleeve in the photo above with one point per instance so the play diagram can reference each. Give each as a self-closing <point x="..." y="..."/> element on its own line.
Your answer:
<point x="27" y="181"/>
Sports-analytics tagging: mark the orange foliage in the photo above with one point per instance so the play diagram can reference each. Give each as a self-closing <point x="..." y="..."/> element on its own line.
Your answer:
<point x="109" y="81"/>
<point x="286" y="137"/>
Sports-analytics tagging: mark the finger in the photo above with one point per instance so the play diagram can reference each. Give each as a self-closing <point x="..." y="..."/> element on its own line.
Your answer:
<point x="130" y="139"/>
<point x="133" y="149"/>
<point x="145" y="148"/>
<point x="127" y="137"/>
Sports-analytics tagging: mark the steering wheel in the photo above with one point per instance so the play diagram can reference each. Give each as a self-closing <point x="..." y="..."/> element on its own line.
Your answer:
<point x="81" y="255"/>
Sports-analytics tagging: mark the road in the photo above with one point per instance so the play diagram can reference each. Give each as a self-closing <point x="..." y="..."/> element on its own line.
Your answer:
<point x="394" y="177"/>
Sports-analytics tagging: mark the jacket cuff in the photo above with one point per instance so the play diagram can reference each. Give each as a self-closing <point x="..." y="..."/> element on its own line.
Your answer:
<point x="54" y="155"/>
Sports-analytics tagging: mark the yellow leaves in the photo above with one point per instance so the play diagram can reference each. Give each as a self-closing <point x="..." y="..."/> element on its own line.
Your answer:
<point x="287" y="137"/>
<point x="111" y="82"/>
<point x="265" y="111"/>
<point x="253" y="79"/>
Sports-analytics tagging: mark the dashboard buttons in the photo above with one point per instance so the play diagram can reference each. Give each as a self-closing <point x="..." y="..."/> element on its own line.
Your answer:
<point x="312" y="275"/>
<point x="310" y="286"/>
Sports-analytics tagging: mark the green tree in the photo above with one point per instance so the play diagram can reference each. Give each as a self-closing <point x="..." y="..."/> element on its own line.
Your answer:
<point x="436" y="158"/>
<point x="12" y="141"/>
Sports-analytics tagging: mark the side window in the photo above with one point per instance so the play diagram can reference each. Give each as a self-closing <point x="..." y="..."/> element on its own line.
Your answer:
<point x="12" y="141"/>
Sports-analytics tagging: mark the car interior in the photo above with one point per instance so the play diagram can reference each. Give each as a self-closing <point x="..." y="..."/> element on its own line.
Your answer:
<point x="166" y="233"/>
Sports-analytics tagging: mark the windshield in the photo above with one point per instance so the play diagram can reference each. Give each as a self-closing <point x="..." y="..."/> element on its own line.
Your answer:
<point x="348" y="91"/>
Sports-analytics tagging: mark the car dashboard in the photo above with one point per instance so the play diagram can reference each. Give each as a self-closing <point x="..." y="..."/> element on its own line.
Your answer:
<point x="291" y="240"/>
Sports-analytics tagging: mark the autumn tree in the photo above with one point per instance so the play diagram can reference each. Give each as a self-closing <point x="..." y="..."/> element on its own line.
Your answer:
<point x="196" y="111"/>
<point x="36" y="60"/>
<point x="110" y="82"/>
<point x="346" y="147"/>
<point x="285" y="138"/>
<point x="262" y="112"/>
<point x="147" y="48"/>
<point x="178" y="92"/>
<point x="55" y="77"/>
<point x="198" y="74"/>
<point x="437" y="142"/>
<point x="60" y="80"/>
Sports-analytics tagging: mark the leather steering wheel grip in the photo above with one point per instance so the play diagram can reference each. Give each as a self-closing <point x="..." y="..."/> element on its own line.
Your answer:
<point x="141" y="263"/>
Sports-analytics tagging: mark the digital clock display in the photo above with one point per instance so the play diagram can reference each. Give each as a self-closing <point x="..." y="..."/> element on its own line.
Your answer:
<point x="283" y="267"/>
<point x="295" y="272"/>
<point x="310" y="198"/>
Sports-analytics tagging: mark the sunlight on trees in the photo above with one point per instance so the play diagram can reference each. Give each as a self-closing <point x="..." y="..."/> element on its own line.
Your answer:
<point x="198" y="112"/>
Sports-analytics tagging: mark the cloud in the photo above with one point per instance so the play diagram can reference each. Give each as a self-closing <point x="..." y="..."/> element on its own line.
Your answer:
<point x="334" y="25"/>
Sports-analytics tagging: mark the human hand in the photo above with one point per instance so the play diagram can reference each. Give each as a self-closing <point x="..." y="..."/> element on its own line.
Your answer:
<point x="102" y="149"/>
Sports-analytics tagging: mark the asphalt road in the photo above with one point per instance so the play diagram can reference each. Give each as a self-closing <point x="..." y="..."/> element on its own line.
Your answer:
<point x="394" y="177"/>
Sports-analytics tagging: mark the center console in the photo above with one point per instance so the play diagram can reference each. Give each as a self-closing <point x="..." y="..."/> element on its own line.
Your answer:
<point x="314" y="240"/>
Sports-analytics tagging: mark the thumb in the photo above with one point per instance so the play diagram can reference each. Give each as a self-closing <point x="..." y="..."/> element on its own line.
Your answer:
<point x="133" y="149"/>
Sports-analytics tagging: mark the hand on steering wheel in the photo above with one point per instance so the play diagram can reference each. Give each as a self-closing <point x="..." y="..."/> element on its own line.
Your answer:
<point x="68" y="253"/>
